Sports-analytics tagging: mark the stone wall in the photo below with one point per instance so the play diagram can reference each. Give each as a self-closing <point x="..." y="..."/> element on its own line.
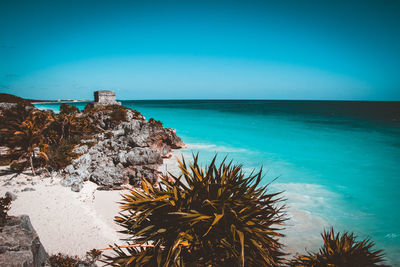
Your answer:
<point x="105" y="98"/>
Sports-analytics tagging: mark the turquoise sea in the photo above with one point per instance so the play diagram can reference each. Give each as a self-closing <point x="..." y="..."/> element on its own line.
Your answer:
<point x="337" y="161"/>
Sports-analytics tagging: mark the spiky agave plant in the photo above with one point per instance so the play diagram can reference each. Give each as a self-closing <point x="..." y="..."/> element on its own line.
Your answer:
<point x="341" y="251"/>
<point x="216" y="216"/>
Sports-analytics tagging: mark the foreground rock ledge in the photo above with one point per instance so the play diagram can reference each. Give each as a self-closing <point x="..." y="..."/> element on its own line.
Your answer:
<point x="20" y="245"/>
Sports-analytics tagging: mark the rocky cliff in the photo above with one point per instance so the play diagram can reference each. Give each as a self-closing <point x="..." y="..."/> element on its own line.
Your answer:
<point x="128" y="149"/>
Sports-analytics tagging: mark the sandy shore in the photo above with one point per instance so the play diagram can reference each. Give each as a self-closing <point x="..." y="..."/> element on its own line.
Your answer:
<point x="61" y="101"/>
<point x="67" y="222"/>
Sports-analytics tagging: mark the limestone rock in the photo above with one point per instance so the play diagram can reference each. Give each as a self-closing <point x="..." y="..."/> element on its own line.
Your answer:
<point x="69" y="169"/>
<point x="20" y="245"/>
<point x="4" y="105"/>
<point x="107" y="176"/>
<point x="123" y="152"/>
<point x="11" y="196"/>
<point x="143" y="156"/>
<point x="70" y="180"/>
<point x="76" y="187"/>
<point x="81" y="149"/>
<point x="26" y="189"/>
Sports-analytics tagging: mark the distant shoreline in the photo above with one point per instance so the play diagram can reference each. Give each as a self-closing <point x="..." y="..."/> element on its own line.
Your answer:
<point x="57" y="101"/>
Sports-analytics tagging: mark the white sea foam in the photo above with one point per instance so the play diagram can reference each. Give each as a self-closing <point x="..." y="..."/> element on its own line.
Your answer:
<point x="214" y="148"/>
<point x="392" y="235"/>
<point x="306" y="206"/>
<point x="55" y="109"/>
<point x="310" y="197"/>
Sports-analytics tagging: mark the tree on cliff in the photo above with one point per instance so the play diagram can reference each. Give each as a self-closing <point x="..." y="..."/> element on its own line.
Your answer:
<point x="29" y="137"/>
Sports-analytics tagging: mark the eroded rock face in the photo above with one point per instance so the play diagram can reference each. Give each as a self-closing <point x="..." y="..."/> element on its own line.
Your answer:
<point x="20" y="244"/>
<point x="143" y="156"/>
<point x="7" y="105"/>
<point x="124" y="153"/>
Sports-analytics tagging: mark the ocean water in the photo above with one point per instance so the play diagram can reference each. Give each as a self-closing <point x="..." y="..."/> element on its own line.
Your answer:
<point x="338" y="162"/>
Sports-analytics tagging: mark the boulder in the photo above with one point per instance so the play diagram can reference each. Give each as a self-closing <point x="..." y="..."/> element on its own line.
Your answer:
<point x="160" y="135"/>
<point x="139" y="140"/>
<point x="135" y="175"/>
<point x="107" y="176"/>
<point x="143" y="156"/>
<point x="118" y="133"/>
<point x="81" y="149"/>
<point x="26" y="189"/>
<point x="69" y="180"/>
<point x="76" y="187"/>
<point x="20" y="245"/>
<point x="130" y="127"/>
<point x="4" y="105"/>
<point x="121" y="158"/>
<point x="69" y="169"/>
<point x="82" y="161"/>
<point x="78" y="171"/>
<point x="11" y="196"/>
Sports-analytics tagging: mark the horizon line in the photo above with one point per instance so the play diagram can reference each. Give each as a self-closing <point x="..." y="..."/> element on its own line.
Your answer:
<point x="212" y="99"/>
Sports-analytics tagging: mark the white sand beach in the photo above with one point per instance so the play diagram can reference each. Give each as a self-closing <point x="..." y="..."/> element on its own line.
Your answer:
<point x="67" y="222"/>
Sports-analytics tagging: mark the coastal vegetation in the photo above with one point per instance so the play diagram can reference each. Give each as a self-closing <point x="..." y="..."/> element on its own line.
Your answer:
<point x="28" y="140"/>
<point x="156" y="122"/>
<point x="216" y="216"/>
<point x="5" y="203"/>
<point x="341" y="250"/>
<point x="63" y="260"/>
<point x="118" y="115"/>
<point x="11" y="119"/>
<point x="38" y="138"/>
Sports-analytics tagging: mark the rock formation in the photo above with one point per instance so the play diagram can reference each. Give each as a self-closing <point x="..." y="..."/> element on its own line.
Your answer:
<point x="124" y="153"/>
<point x="106" y="143"/>
<point x="20" y="244"/>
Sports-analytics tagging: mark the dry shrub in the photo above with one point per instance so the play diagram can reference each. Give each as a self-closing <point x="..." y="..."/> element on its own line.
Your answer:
<point x="68" y="109"/>
<point x="155" y="122"/>
<point x="5" y="203"/>
<point x="118" y="115"/>
<point x="62" y="260"/>
<point x="19" y="166"/>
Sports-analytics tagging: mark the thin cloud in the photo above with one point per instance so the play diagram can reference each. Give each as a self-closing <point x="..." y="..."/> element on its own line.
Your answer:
<point x="7" y="46"/>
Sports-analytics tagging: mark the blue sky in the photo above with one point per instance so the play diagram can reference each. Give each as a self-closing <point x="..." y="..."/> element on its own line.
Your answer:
<point x="201" y="49"/>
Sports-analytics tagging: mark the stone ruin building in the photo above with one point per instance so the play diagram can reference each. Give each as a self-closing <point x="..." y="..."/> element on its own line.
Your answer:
<point x="105" y="97"/>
